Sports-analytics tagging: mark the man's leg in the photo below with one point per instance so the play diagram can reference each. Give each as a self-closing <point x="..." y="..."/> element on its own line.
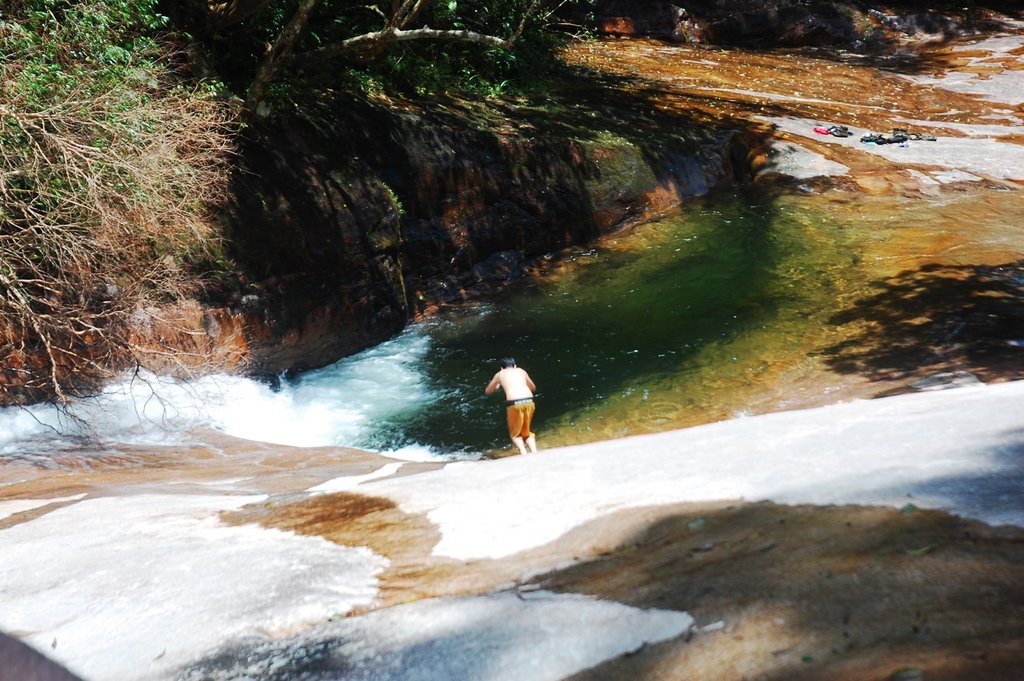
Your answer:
<point x="527" y="427"/>
<point x="515" y="425"/>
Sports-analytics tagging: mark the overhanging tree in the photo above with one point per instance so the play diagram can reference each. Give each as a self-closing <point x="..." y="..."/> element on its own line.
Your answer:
<point x="307" y="34"/>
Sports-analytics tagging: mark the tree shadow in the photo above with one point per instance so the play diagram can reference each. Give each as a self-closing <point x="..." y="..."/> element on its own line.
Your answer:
<point x="993" y="494"/>
<point x="778" y="592"/>
<point x="802" y="592"/>
<point x="456" y="638"/>
<point x="938" y="318"/>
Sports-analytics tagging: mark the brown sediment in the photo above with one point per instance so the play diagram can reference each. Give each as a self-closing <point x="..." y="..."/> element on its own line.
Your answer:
<point x="803" y="592"/>
<point x="374" y="522"/>
<point x="778" y="592"/>
<point x="222" y="462"/>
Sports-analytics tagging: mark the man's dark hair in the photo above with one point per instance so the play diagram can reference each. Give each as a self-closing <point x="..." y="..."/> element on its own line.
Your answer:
<point x="507" y="362"/>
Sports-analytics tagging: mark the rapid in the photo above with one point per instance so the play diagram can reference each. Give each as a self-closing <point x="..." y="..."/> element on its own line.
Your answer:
<point x="231" y="528"/>
<point x="770" y="296"/>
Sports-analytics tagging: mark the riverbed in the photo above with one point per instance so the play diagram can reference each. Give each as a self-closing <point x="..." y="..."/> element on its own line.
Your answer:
<point x="845" y="271"/>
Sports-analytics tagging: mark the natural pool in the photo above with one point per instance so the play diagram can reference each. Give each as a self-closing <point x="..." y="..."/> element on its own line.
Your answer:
<point x="752" y="299"/>
<point x="746" y="301"/>
<point x="743" y="301"/>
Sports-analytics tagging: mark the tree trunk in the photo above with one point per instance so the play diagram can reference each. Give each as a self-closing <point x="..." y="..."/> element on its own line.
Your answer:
<point x="289" y="35"/>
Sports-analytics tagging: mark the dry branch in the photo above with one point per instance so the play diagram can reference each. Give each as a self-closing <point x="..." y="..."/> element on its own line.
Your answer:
<point x="98" y="195"/>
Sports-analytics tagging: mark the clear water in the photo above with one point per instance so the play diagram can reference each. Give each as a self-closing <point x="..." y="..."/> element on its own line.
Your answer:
<point x="733" y="305"/>
<point x="627" y="328"/>
<point x="642" y="332"/>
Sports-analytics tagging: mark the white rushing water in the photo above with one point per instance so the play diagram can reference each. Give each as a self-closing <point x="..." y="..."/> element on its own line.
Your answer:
<point x="338" y="405"/>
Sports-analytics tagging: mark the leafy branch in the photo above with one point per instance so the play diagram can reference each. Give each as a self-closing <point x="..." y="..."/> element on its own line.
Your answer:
<point x="106" y="176"/>
<point x="403" y="25"/>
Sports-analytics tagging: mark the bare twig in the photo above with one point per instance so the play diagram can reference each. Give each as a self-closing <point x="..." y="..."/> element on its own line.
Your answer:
<point x="100" y="193"/>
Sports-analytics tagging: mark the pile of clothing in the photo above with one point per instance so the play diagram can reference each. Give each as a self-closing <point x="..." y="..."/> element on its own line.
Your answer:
<point x="899" y="136"/>
<point x="834" y="130"/>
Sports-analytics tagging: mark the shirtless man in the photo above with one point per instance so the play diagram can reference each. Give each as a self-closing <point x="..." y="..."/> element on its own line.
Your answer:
<point x="519" y="406"/>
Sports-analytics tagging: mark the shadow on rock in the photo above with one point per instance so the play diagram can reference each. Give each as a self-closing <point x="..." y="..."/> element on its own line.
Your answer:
<point x="992" y="492"/>
<point x="939" y="318"/>
<point x="803" y="592"/>
<point x="778" y="592"/>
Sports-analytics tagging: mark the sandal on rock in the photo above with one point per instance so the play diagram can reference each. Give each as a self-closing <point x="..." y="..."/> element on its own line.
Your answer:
<point x="922" y="136"/>
<point x="874" y="138"/>
<point x="839" y="131"/>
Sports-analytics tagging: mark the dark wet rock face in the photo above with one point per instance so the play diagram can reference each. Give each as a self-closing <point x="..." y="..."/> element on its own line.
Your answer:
<point x="780" y="23"/>
<point x="358" y="217"/>
<point x="350" y="218"/>
<point x="319" y="241"/>
<point x="786" y="22"/>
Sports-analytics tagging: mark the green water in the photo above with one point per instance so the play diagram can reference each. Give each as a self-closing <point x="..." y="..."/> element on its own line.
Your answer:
<point x="656" y="328"/>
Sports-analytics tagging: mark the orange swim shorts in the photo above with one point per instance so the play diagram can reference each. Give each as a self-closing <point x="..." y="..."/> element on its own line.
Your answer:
<point x="520" y="418"/>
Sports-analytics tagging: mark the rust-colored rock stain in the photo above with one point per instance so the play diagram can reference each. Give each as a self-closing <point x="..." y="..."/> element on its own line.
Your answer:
<point x="734" y="88"/>
<point x="359" y="520"/>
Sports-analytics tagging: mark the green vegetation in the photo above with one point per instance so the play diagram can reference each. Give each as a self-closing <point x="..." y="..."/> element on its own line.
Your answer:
<point x="480" y="47"/>
<point x="117" y="120"/>
<point x="109" y="161"/>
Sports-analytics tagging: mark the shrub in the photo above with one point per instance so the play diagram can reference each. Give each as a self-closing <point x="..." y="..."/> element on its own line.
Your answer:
<point x="109" y="164"/>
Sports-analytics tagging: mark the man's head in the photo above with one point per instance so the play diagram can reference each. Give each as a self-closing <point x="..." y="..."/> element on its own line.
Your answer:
<point x="507" y="362"/>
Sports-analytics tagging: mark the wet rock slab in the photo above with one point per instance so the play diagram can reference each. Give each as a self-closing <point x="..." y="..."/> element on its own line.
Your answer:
<point x="650" y="558"/>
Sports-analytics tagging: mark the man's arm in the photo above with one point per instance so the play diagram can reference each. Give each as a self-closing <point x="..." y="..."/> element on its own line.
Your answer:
<point x="529" y="381"/>
<point x="493" y="385"/>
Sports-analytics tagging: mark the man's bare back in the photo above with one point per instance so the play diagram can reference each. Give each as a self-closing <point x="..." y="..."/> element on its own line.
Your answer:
<point x="515" y="382"/>
<point x="519" y="407"/>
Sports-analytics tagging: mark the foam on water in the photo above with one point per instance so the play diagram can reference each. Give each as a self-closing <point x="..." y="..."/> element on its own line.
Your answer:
<point x="339" y="405"/>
